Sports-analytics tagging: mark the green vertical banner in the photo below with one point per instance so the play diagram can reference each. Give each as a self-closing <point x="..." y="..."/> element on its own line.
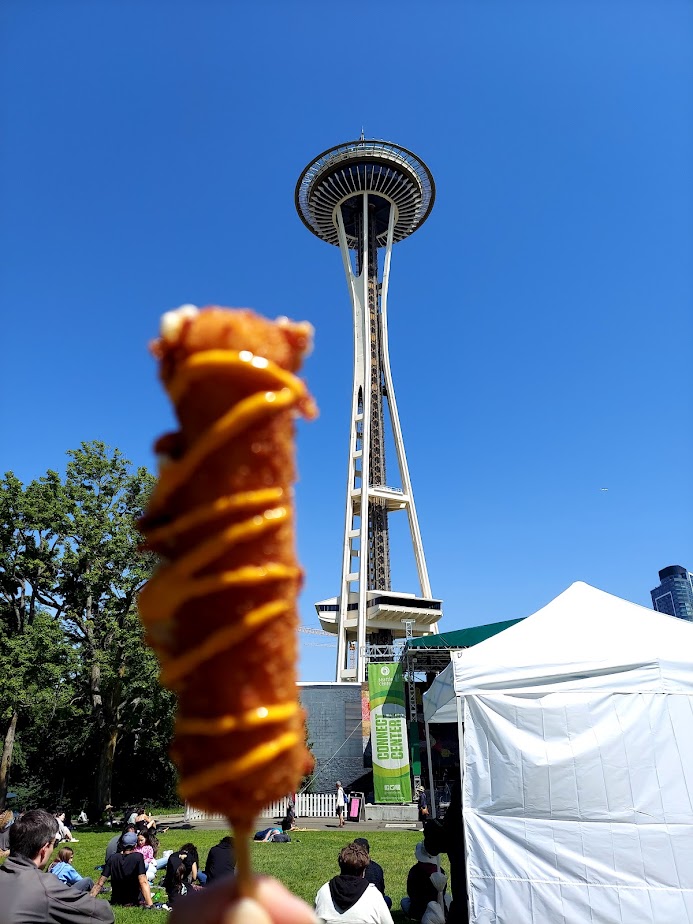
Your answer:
<point x="391" y="780"/>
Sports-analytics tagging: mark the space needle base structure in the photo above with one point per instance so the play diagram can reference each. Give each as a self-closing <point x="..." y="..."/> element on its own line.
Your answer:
<point x="364" y="196"/>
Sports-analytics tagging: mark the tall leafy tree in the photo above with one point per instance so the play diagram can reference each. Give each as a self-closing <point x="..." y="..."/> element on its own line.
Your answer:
<point x="100" y="573"/>
<point x="70" y="552"/>
<point x="33" y="656"/>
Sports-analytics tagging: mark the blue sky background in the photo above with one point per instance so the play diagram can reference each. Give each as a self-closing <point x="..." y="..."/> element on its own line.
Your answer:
<point x="541" y="323"/>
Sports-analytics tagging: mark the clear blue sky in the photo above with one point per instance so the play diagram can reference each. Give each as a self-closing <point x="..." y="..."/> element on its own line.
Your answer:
<point x="541" y="323"/>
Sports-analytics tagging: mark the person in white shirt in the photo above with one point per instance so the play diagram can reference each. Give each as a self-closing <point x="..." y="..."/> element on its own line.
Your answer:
<point x="349" y="898"/>
<point x="64" y="833"/>
<point x="341" y="803"/>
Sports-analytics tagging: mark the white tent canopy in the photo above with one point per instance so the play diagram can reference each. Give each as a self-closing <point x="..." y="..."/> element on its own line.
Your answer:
<point x="577" y="761"/>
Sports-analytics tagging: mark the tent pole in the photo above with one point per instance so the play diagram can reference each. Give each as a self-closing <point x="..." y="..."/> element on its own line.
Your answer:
<point x="431" y="786"/>
<point x="432" y="791"/>
<point x="460" y="744"/>
<point x="460" y="739"/>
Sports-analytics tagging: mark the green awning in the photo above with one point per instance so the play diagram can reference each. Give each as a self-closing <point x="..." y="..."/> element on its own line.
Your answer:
<point x="461" y="638"/>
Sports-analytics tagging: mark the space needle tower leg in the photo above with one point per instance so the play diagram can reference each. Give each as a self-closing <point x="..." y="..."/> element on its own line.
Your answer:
<point x="408" y="491"/>
<point x="355" y="557"/>
<point x="356" y="514"/>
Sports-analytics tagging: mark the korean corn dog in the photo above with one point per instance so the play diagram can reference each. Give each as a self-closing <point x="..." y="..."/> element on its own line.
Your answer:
<point x="220" y="611"/>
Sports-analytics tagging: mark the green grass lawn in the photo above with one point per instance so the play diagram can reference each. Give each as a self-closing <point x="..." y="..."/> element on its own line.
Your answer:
<point x="303" y="865"/>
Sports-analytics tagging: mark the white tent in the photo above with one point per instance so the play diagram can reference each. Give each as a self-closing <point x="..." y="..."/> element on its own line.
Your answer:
<point x="576" y="739"/>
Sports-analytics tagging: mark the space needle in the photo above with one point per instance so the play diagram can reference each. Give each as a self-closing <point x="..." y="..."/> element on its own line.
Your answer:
<point x="364" y="196"/>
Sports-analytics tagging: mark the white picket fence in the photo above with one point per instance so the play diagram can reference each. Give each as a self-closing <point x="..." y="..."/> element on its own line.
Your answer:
<point x="308" y="805"/>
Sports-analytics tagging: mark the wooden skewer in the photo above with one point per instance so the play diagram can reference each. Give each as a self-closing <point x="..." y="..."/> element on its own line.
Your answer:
<point x="244" y="874"/>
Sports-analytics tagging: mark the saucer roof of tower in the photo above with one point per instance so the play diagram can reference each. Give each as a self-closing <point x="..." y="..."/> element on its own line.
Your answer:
<point x="388" y="172"/>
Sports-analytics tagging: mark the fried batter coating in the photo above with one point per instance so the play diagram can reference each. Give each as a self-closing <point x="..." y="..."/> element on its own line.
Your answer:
<point x="221" y="610"/>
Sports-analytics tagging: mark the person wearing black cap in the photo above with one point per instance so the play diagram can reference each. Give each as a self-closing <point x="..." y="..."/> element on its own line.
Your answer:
<point x="128" y="875"/>
<point x="112" y="846"/>
<point x="374" y="871"/>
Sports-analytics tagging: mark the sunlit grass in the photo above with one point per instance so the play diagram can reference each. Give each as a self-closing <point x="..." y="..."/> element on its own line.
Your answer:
<point x="303" y="865"/>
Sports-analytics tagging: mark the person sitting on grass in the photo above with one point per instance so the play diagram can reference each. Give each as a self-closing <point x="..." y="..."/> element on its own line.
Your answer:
<point x="148" y="846"/>
<point x="349" y="898"/>
<point x="27" y="894"/>
<point x="147" y="840"/>
<point x="63" y="870"/>
<point x="177" y="886"/>
<point x="143" y="821"/>
<point x="192" y="866"/>
<point x="374" y="871"/>
<point x="159" y="862"/>
<point x="128" y="876"/>
<point x="289" y="820"/>
<point x="6" y="819"/>
<point x="114" y="845"/>
<point x="420" y="889"/>
<point x="144" y="846"/>
<point x="447" y="836"/>
<point x="187" y="855"/>
<point x="221" y="860"/>
<point x="64" y="833"/>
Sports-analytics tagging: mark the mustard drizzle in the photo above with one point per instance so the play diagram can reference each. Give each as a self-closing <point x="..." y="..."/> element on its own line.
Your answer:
<point x="226" y="723"/>
<point x="247" y="412"/>
<point x="239" y="766"/>
<point x="212" y="511"/>
<point x="219" y="641"/>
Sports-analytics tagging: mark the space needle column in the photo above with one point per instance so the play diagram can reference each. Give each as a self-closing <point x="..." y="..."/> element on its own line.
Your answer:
<point x="364" y="196"/>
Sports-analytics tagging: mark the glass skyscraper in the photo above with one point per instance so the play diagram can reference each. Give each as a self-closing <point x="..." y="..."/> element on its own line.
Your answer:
<point x="675" y="592"/>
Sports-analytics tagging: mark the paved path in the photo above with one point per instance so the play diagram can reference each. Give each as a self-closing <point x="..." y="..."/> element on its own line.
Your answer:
<point x="178" y="822"/>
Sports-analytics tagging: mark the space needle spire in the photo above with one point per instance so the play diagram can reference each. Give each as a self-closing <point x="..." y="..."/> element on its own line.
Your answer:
<point x="364" y="196"/>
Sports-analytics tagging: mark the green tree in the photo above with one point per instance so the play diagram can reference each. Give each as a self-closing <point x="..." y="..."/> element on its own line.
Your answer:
<point x="100" y="573"/>
<point x="33" y="656"/>
<point x="70" y="550"/>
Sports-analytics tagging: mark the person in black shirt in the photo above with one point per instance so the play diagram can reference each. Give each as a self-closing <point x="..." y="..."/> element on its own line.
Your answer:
<point x="422" y="799"/>
<point x="447" y="836"/>
<point x="289" y="820"/>
<point x="114" y="845"/>
<point x="374" y="871"/>
<point x="221" y="860"/>
<point x="177" y="882"/>
<point x="177" y="885"/>
<point x="128" y="875"/>
<point x="420" y="889"/>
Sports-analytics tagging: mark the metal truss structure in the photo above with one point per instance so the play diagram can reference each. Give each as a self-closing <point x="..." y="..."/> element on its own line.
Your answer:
<point x="364" y="196"/>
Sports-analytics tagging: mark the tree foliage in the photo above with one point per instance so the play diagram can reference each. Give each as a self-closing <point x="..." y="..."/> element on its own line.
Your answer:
<point x="71" y="644"/>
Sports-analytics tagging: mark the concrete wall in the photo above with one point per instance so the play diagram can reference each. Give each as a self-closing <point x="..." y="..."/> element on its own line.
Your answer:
<point x="403" y="814"/>
<point x="333" y="710"/>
